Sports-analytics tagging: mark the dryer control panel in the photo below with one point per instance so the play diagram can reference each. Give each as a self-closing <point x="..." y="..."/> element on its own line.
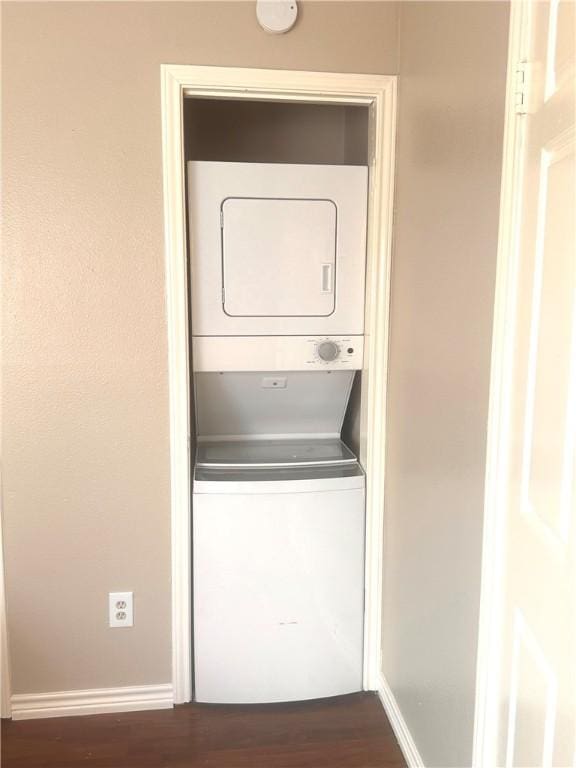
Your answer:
<point x="277" y="353"/>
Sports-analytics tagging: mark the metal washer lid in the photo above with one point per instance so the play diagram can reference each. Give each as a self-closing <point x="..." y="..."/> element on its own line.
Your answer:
<point x="273" y="453"/>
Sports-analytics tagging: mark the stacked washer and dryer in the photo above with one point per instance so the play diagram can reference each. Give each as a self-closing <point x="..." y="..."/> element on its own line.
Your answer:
<point x="277" y="276"/>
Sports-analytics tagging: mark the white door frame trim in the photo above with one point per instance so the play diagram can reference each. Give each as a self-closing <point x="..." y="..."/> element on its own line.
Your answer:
<point x="5" y="684"/>
<point x="379" y="93"/>
<point x="492" y="592"/>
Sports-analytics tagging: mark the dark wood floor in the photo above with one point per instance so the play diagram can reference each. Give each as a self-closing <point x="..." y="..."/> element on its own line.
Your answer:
<point x="344" y="732"/>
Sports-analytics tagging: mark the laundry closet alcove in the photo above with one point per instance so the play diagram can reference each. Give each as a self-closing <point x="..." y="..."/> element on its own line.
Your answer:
<point x="295" y="167"/>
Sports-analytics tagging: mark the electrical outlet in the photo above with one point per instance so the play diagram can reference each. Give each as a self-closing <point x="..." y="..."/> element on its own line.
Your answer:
<point x="121" y="609"/>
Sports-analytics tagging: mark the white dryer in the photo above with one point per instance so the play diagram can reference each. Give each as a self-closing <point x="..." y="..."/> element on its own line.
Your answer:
<point x="278" y="559"/>
<point x="277" y="250"/>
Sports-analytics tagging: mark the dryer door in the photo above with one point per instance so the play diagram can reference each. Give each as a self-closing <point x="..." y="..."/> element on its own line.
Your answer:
<point x="278" y="257"/>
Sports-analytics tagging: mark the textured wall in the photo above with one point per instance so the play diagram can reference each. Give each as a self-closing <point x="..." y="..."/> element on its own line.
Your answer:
<point x="86" y="461"/>
<point x="451" y="100"/>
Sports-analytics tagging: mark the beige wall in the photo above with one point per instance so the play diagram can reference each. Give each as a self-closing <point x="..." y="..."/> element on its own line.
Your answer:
<point x="451" y="99"/>
<point x="86" y="489"/>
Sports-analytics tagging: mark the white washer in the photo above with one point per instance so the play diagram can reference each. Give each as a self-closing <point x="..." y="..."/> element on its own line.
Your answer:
<point x="278" y="560"/>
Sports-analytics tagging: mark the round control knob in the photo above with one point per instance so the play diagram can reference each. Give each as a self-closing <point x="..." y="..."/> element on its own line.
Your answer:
<point x="328" y="351"/>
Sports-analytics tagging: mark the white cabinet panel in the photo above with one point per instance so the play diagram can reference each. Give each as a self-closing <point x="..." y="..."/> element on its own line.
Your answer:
<point x="278" y="595"/>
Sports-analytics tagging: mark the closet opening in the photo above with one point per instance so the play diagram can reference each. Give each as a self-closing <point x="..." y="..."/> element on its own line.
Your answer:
<point x="278" y="205"/>
<point x="277" y="220"/>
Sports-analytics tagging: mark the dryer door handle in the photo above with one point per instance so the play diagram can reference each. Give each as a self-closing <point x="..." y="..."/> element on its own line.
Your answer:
<point x="327" y="281"/>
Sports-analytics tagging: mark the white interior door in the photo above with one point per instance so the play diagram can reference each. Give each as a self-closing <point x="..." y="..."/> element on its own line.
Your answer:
<point x="534" y="695"/>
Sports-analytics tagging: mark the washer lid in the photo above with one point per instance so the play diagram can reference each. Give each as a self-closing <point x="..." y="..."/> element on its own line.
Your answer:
<point x="273" y="453"/>
<point x="249" y="405"/>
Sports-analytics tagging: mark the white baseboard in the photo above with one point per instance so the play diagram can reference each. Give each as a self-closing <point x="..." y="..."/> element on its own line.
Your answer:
<point x="27" y="706"/>
<point x="399" y="726"/>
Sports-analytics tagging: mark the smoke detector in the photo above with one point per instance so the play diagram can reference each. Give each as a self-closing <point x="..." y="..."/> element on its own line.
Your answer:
<point x="276" y="16"/>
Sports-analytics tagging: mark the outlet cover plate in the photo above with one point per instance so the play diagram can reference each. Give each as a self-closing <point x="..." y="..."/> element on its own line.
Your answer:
<point x="121" y="609"/>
